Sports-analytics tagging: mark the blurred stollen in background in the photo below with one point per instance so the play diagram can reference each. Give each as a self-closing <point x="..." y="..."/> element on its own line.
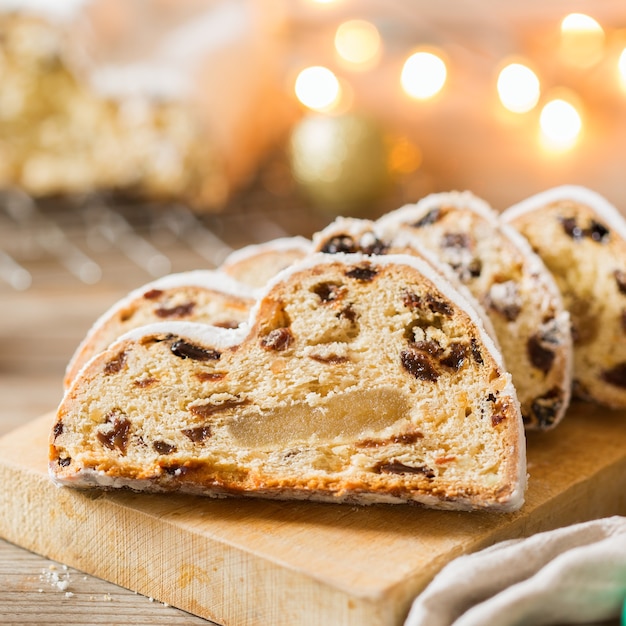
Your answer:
<point x="123" y="124"/>
<point x="140" y="138"/>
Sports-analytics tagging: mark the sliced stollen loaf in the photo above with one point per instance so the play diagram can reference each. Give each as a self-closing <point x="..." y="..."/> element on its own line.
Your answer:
<point x="505" y="277"/>
<point x="357" y="380"/>
<point x="581" y="238"/>
<point x="204" y="296"/>
<point x="255" y="264"/>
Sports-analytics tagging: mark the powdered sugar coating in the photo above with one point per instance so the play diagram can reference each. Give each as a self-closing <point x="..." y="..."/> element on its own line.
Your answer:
<point x="598" y="203"/>
<point x="87" y="478"/>
<point x="350" y="226"/>
<point x="205" y="334"/>
<point x="207" y="279"/>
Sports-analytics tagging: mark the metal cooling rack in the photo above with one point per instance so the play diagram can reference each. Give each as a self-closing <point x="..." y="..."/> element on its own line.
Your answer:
<point x="98" y="239"/>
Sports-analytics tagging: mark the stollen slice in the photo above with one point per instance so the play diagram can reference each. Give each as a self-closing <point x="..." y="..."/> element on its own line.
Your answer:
<point x="357" y="380"/>
<point x="581" y="238"/>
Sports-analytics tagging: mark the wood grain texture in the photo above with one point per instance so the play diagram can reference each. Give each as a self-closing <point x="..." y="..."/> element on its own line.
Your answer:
<point x="38" y="591"/>
<point x="244" y="562"/>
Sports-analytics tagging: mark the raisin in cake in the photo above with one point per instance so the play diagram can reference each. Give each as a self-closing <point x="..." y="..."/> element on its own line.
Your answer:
<point x="254" y="265"/>
<point x="582" y="239"/>
<point x="204" y="296"/>
<point x="504" y="276"/>
<point x="357" y="380"/>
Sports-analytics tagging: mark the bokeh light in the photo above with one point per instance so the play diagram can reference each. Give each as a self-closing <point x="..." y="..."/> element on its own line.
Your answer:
<point x="579" y="22"/>
<point x="560" y="124"/>
<point x="358" y="44"/>
<point x="518" y="88"/>
<point x="582" y="40"/>
<point x="404" y="156"/>
<point x="423" y="75"/>
<point x="318" y="88"/>
<point x="621" y="67"/>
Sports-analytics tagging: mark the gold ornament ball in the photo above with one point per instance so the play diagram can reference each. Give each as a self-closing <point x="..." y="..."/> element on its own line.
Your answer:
<point x="340" y="162"/>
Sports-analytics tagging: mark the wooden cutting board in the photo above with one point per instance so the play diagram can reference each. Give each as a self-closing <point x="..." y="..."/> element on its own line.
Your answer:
<point x="244" y="562"/>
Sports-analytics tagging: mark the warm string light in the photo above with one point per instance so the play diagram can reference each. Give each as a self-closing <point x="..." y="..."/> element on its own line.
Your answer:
<point x="518" y="88"/>
<point x="560" y="124"/>
<point x="318" y="88"/>
<point x="621" y="68"/>
<point x="582" y="40"/>
<point x="423" y="75"/>
<point x="358" y="46"/>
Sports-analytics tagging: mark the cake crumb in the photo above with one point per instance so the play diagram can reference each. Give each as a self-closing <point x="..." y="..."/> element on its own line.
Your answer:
<point x="59" y="581"/>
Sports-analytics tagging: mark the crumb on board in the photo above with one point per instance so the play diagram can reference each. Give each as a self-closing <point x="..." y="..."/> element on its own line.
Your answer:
<point x="57" y="580"/>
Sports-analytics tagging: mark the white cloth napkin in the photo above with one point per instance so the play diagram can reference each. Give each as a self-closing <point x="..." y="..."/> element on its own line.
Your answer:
<point x="571" y="575"/>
